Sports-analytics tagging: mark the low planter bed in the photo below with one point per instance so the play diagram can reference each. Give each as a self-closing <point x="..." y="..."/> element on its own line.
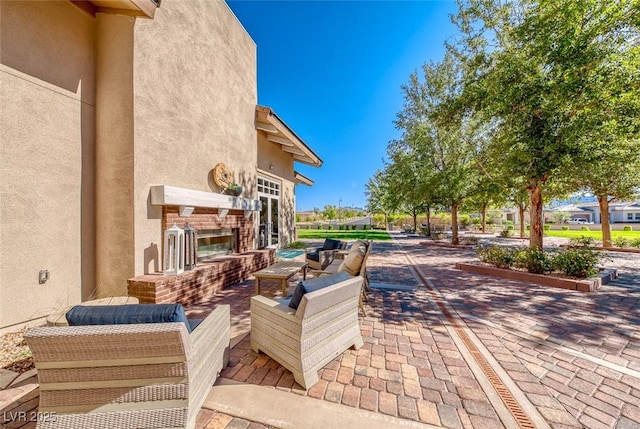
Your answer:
<point x="447" y="244"/>
<point x="585" y="285"/>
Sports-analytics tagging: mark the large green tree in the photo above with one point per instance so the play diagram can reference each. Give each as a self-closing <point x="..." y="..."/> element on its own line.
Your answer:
<point x="380" y="198"/>
<point x="533" y="69"/>
<point x="411" y="178"/>
<point x="446" y="143"/>
<point x="610" y="169"/>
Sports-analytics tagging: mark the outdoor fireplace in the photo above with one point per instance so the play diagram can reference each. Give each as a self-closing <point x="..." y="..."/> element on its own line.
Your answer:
<point x="226" y="235"/>
<point x="213" y="243"/>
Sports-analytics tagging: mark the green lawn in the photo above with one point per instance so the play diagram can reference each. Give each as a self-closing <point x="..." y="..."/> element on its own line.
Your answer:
<point x="343" y="235"/>
<point x="595" y="234"/>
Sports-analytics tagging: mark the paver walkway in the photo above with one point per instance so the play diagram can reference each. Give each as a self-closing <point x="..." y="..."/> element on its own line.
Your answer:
<point x="576" y="356"/>
<point x="445" y="350"/>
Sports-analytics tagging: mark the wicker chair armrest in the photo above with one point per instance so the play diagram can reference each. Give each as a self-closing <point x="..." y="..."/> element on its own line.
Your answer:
<point x="318" y="273"/>
<point x="216" y="322"/>
<point x="261" y="304"/>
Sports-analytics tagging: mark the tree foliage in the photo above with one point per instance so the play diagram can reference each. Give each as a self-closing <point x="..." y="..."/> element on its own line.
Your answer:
<point x="544" y="74"/>
<point x="442" y="146"/>
<point x="534" y="99"/>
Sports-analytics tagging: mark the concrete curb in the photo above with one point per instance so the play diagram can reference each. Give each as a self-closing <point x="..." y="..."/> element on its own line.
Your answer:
<point x="276" y="408"/>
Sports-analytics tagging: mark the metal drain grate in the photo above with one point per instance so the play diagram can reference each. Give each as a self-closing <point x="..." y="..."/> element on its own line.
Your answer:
<point x="509" y="401"/>
<point x="507" y="398"/>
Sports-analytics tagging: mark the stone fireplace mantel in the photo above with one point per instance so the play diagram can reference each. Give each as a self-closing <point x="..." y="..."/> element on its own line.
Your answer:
<point x="164" y="195"/>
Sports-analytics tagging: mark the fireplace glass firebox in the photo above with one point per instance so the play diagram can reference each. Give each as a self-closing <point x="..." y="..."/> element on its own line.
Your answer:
<point x="213" y="243"/>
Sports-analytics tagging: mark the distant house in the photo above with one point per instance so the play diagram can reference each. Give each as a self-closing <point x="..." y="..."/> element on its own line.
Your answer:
<point x="585" y="211"/>
<point x="625" y="212"/>
<point x="306" y="216"/>
<point x="619" y="212"/>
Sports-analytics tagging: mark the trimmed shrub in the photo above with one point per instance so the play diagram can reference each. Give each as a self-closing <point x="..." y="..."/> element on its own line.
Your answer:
<point x="534" y="260"/>
<point x="498" y="256"/>
<point x="365" y="227"/>
<point x="354" y="227"/>
<point x="296" y="245"/>
<point x="621" y="242"/>
<point x="510" y="227"/>
<point x="465" y="220"/>
<point x="506" y="232"/>
<point x="528" y="228"/>
<point x="329" y="227"/>
<point x="585" y="228"/>
<point x="437" y="235"/>
<point x="635" y="242"/>
<point x="577" y="262"/>
<point x="627" y="228"/>
<point x="582" y="241"/>
<point x="547" y="227"/>
<point x="476" y="221"/>
<point x="565" y="228"/>
<point x="470" y="240"/>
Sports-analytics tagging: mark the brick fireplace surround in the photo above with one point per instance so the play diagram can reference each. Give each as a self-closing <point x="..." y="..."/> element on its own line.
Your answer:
<point x="204" y="281"/>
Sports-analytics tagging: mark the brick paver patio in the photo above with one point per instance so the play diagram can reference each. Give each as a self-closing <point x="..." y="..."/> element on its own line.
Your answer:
<point x="570" y="359"/>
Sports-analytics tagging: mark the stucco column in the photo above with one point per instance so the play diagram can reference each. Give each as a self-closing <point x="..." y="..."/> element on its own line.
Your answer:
<point x="114" y="153"/>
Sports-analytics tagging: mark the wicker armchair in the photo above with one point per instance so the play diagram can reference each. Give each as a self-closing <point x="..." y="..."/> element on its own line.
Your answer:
<point x="304" y="340"/>
<point x="355" y="263"/>
<point x="147" y="375"/>
<point x="319" y="258"/>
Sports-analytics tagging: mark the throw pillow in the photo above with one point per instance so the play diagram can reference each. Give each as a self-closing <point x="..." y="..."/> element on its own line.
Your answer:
<point x="311" y="285"/>
<point x="126" y="314"/>
<point x="353" y="261"/>
<point x="359" y="243"/>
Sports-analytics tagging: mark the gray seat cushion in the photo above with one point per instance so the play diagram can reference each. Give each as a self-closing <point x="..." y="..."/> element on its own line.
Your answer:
<point x="126" y="314"/>
<point x="306" y="286"/>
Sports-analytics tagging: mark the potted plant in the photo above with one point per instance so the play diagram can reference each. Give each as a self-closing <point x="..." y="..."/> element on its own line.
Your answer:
<point x="234" y="189"/>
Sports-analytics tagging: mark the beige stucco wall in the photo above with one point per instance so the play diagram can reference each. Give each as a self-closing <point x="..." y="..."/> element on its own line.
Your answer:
<point x="271" y="155"/>
<point x="46" y="157"/>
<point x="114" y="153"/>
<point x="195" y="97"/>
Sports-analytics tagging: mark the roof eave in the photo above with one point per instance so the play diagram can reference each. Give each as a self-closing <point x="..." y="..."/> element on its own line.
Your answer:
<point x="280" y="133"/>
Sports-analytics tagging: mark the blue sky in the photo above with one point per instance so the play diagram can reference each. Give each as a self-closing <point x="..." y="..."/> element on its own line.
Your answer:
<point x="332" y="70"/>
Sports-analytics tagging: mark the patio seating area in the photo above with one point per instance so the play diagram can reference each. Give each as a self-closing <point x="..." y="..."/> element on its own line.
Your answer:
<point x="451" y="349"/>
<point x="445" y="348"/>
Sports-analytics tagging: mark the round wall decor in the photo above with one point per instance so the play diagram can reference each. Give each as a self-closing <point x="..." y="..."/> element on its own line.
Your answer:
<point x="222" y="175"/>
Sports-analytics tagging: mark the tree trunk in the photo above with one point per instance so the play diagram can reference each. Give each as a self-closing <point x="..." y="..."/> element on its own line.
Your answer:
<point x="483" y="212"/>
<point x="428" y="213"/>
<point x="521" y="213"/>
<point x="603" y="201"/>
<point x="536" y="233"/>
<point x="386" y="222"/>
<point x="415" y="220"/>
<point x="454" y="224"/>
